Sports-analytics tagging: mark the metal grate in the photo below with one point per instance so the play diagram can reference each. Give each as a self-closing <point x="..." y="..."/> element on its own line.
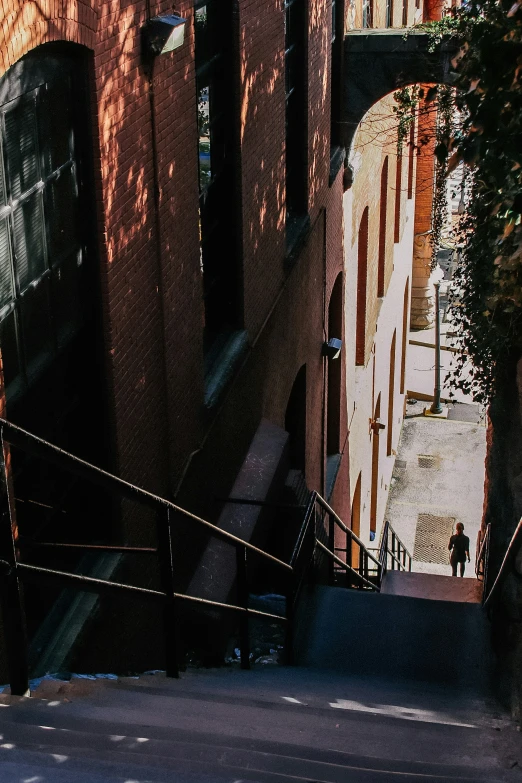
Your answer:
<point x="432" y="537"/>
<point x="427" y="461"/>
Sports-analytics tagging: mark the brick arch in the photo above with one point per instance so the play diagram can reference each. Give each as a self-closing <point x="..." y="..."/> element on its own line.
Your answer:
<point x="30" y="26"/>
<point x="378" y="62"/>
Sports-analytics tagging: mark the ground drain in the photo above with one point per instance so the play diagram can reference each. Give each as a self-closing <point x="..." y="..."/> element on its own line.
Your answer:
<point x="432" y="536"/>
<point x="428" y="461"/>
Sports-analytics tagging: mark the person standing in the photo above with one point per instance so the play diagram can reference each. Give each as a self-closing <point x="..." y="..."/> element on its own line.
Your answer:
<point x="459" y="548"/>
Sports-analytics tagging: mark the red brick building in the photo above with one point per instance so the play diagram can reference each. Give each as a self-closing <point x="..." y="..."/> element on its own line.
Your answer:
<point x="173" y="253"/>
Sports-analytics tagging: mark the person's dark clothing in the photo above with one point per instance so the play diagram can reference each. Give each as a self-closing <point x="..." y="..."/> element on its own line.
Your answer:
<point x="459" y="544"/>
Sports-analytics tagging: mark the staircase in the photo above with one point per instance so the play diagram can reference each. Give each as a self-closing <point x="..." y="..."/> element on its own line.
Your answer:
<point x="270" y="724"/>
<point x="392" y="683"/>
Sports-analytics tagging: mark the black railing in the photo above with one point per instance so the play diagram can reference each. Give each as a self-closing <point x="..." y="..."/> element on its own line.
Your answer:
<point x="316" y="557"/>
<point x="320" y="533"/>
<point x="13" y="571"/>
<point x="482" y="556"/>
<point x="508" y="566"/>
<point x="393" y="555"/>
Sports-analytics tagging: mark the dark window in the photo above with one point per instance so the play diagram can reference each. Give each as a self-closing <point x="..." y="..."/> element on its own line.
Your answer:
<point x="336" y="71"/>
<point x="398" y="195"/>
<point x="214" y="84"/>
<point x="383" y="222"/>
<point x="367" y="13"/>
<point x="389" y="13"/>
<point x="40" y="241"/>
<point x="411" y="156"/>
<point x="404" y="13"/>
<point x="362" y="281"/>
<point x="296" y="114"/>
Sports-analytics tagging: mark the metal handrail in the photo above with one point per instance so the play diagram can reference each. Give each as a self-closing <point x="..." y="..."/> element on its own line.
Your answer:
<point x="482" y="552"/>
<point x="91" y="584"/>
<point x="345" y="566"/>
<point x="514" y="544"/>
<point x="12" y="570"/>
<point x="338" y="521"/>
<point x="394" y="553"/>
<point x="30" y="443"/>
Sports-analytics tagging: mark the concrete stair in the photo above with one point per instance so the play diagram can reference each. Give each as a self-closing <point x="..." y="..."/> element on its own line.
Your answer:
<point x="272" y="724"/>
<point x="392" y="690"/>
<point x="433" y="587"/>
<point x="393" y="635"/>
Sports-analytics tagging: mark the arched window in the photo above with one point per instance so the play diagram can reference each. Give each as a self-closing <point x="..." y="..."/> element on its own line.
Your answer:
<point x="389" y="13"/>
<point x="391" y="394"/>
<point x="405" y="311"/>
<point x="335" y="329"/>
<point x="398" y="188"/>
<point x="362" y="277"/>
<point x="383" y="218"/>
<point x="411" y="156"/>
<point x="367" y="13"/>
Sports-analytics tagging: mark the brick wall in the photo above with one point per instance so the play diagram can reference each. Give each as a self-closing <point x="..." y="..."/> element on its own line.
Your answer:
<point x="151" y="290"/>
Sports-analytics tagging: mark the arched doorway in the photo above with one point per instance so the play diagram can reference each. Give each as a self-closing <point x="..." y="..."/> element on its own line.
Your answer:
<point x="50" y="335"/>
<point x="362" y="282"/>
<point x="375" y="469"/>
<point x="335" y="329"/>
<point x="295" y="422"/>
<point x="391" y="394"/>
<point x="405" y="310"/>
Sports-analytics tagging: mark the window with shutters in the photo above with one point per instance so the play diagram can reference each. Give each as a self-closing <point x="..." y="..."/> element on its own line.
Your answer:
<point x="41" y="252"/>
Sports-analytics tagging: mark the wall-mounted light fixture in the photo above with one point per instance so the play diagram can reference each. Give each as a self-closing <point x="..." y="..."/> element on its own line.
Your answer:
<point x="332" y="349"/>
<point x="163" y="34"/>
<point x="377" y="425"/>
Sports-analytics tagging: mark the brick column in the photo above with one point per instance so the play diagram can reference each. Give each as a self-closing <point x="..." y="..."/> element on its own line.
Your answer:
<point x="422" y="296"/>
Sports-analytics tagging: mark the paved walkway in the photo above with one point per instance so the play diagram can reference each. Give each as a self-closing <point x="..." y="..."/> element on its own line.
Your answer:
<point x="438" y="480"/>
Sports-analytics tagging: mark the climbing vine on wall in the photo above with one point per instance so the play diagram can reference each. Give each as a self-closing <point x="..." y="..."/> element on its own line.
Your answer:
<point x="487" y="99"/>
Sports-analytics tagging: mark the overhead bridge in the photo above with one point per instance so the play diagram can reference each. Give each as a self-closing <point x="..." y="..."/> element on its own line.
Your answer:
<point x="379" y="62"/>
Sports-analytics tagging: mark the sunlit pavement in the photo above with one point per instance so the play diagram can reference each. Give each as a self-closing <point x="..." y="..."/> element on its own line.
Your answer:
<point x="450" y="485"/>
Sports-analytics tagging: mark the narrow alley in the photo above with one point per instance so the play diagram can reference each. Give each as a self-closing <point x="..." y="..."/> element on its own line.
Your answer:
<point x="438" y="480"/>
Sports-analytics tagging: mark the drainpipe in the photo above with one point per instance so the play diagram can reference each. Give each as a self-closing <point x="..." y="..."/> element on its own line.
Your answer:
<point x="149" y="71"/>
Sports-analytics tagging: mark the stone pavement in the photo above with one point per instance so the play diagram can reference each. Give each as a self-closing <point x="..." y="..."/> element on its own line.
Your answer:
<point x="438" y="480"/>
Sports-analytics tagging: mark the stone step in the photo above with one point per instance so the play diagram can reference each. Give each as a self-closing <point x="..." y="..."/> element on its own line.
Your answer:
<point x="432" y="586"/>
<point x="110" y="756"/>
<point x="398" y="636"/>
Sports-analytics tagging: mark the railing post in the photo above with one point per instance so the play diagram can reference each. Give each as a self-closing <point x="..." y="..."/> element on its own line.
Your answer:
<point x="289" y="652"/>
<point x="348" y="556"/>
<point x="331" y="544"/>
<point x="10" y="589"/>
<point x="168" y="585"/>
<point x="361" y="568"/>
<point x="394" y="545"/>
<point x="242" y="596"/>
